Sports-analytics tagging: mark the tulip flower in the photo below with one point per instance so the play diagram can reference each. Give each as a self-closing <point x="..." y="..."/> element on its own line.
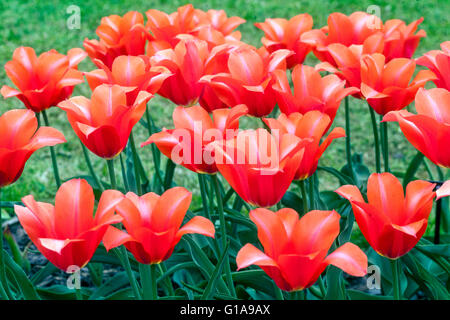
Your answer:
<point x="429" y="130"/>
<point x="285" y="34"/>
<point x="42" y="82"/>
<point x="68" y="234"/>
<point x="212" y="26"/>
<point x="354" y="29"/>
<point x="153" y="224"/>
<point x="296" y="250"/>
<point x="391" y="222"/>
<point x="186" y="63"/>
<point x="260" y="166"/>
<point x="387" y="87"/>
<point x="313" y="125"/>
<point x="188" y="143"/>
<point x="104" y="123"/>
<point x="345" y="61"/>
<point x="119" y="36"/>
<point x="249" y="80"/>
<point x="400" y="40"/>
<point x="19" y="139"/>
<point x="311" y="91"/>
<point x="129" y="71"/>
<point x="439" y="62"/>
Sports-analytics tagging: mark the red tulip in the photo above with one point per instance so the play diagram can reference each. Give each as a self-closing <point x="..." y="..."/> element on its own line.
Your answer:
<point x="296" y="250"/>
<point x="68" y="234"/>
<point x="132" y="72"/>
<point x="212" y="26"/>
<point x="43" y="81"/>
<point x="429" y="130"/>
<point x="188" y="143"/>
<point x="311" y="91"/>
<point x="313" y="125"/>
<point x="104" y="123"/>
<point x="444" y="190"/>
<point x="285" y="34"/>
<point x="249" y="80"/>
<point x="153" y="224"/>
<point x="119" y="36"/>
<point x="391" y="222"/>
<point x="219" y="24"/>
<point x="186" y="63"/>
<point x="345" y="61"/>
<point x="439" y="62"/>
<point x="346" y="30"/>
<point x="387" y="87"/>
<point x="260" y="166"/>
<point x="400" y="40"/>
<point x="19" y="140"/>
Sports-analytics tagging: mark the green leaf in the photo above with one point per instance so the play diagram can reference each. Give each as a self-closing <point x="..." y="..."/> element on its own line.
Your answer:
<point x="212" y="281"/>
<point x="428" y="282"/>
<point x="117" y="282"/>
<point x="256" y="279"/>
<point x="61" y="292"/>
<point x="26" y="287"/>
<point x="293" y="201"/>
<point x="359" y="295"/>
<point x="343" y="179"/>
<point x="412" y="168"/>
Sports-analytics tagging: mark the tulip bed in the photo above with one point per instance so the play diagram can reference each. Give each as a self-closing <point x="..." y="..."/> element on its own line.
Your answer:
<point x="252" y="124"/>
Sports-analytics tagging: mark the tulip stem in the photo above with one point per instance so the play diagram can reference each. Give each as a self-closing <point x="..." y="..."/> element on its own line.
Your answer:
<point x="112" y="174"/>
<point x="53" y="154"/>
<point x="312" y="203"/>
<point x="124" y="174"/>
<point x="437" y="225"/>
<point x="168" y="177"/>
<point x="201" y="182"/>
<point x="148" y="281"/>
<point x="155" y="151"/>
<point x="348" y="144"/>
<point x="304" y="197"/>
<point x="135" y="165"/>
<point x="395" y="279"/>
<point x="91" y="168"/>
<point x="223" y="231"/>
<point x="376" y="138"/>
<point x="3" y="282"/>
<point x="385" y="145"/>
<point x="123" y="257"/>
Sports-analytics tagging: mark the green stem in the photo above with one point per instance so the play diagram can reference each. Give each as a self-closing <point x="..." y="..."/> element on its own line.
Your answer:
<point x="348" y="144"/>
<point x="163" y="270"/>
<point x="201" y="182"/>
<point x="384" y="131"/>
<point x="112" y="174"/>
<point x="377" y="140"/>
<point x="124" y="174"/>
<point x="223" y="232"/>
<point x="304" y="197"/>
<point x="395" y="279"/>
<point x="53" y="154"/>
<point x="122" y="251"/>
<point x="123" y="257"/>
<point x="91" y="168"/>
<point x="168" y="177"/>
<point x="148" y="281"/>
<point x="3" y="282"/>
<point x="78" y="294"/>
<point x="312" y="204"/>
<point x="135" y="165"/>
<point x="155" y="151"/>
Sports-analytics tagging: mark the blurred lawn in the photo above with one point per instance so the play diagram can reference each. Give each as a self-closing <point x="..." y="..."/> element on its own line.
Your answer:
<point x="42" y="25"/>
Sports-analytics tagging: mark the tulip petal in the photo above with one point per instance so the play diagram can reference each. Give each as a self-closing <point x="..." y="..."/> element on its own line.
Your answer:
<point x="249" y="255"/>
<point x="443" y="191"/>
<point x="350" y="258"/>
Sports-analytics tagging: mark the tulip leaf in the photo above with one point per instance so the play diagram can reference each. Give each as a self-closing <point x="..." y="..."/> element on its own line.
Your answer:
<point x="256" y="279"/>
<point x="43" y="273"/>
<point x="359" y="295"/>
<point x="412" y="168"/>
<point x="117" y="282"/>
<point x="427" y="281"/>
<point x="26" y="287"/>
<point x="293" y="201"/>
<point x="334" y="285"/>
<point x="212" y="281"/>
<point x="61" y="292"/>
<point x="343" y="179"/>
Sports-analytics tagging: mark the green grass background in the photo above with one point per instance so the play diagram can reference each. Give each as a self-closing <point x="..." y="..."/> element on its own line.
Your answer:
<point x="42" y="25"/>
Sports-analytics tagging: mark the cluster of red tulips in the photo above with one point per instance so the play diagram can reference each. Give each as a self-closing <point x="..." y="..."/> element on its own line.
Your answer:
<point x="196" y="59"/>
